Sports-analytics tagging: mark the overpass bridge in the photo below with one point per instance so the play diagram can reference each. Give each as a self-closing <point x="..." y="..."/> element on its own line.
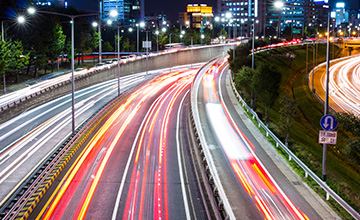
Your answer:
<point x="353" y="44"/>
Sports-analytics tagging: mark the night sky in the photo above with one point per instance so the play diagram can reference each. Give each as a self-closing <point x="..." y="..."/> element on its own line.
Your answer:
<point x="172" y="7"/>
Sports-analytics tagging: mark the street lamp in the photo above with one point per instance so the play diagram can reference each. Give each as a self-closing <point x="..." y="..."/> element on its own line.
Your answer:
<point x="72" y="17"/>
<point x="114" y="14"/>
<point x="157" y="39"/>
<point x="279" y="5"/>
<point x="170" y="50"/>
<point x="20" y="19"/>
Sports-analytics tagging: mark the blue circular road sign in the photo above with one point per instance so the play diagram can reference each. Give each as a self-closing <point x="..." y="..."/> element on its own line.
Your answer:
<point x="328" y="122"/>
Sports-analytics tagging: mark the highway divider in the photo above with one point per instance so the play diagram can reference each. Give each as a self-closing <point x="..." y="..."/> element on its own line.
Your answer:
<point x="213" y="185"/>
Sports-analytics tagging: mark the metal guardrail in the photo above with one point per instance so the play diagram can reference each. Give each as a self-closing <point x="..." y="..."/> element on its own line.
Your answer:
<point x="213" y="178"/>
<point x="308" y="172"/>
<point x="28" y="195"/>
<point x="8" y="104"/>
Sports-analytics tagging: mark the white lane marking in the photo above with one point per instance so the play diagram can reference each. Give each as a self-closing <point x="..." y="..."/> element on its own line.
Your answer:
<point x="186" y="204"/>
<point x="117" y="202"/>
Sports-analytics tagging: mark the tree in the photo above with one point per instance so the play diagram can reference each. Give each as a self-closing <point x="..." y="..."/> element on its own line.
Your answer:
<point x="163" y="39"/>
<point x="17" y="60"/>
<point x="243" y="79"/>
<point x="266" y="82"/>
<point x="127" y="46"/>
<point x="351" y="123"/>
<point x="57" y="44"/>
<point x="107" y="47"/>
<point x="4" y="60"/>
<point x="242" y="57"/>
<point x="93" y="42"/>
<point x="287" y="115"/>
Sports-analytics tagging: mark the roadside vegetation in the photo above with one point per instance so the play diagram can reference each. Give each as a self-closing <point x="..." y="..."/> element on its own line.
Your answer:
<point x="291" y="111"/>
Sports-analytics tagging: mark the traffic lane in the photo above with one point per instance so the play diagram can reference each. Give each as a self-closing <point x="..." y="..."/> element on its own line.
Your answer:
<point x="149" y="92"/>
<point x="344" y="85"/>
<point x="69" y="189"/>
<point x="195" y="198"/>
<point x="240" y="201"/>
<point x="71" y="202"/>
<point x="264" y="191"/>
<point x="288" y="187"/>
<point x="35" y="146"/>
<point x="139" y="189"/>
<point x="23" y="124"/>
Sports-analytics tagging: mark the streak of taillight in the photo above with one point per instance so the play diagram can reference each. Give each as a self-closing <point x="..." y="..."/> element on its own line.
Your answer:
<point x="263" y="178"/>
<point x="242" y="178"/>
<point x="88" y="148"/>
<point x="104" y="162"/>
<point x="264" y="208"/>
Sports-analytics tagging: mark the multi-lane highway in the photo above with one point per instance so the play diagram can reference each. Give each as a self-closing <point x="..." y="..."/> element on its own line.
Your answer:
<point x="28" y="138"/>
<point x="137" y="164"/>
<point x="133" y="167"/>
<point x="344" y="85"/>
<point x="249" y="182"/>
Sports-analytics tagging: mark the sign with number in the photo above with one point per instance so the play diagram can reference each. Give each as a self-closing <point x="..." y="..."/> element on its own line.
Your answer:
<point x="327" y="137"/>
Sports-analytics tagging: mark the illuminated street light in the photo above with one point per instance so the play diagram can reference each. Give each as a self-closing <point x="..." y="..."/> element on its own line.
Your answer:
<point x="114" y="13"/>
<point x="228" y="15"/>
<point x="217" y="19"/>
<point x="94" y="24"/>
<point x="279" y="4"/>
<point x="142" y="24"/>
<point x="72" y="17"/>
<point x="130" y="29"/>
<point x="31" y="10"/>
<point x="109" y="22"/>
<point x="21" y="19"/>
<point x="163" y="29"/>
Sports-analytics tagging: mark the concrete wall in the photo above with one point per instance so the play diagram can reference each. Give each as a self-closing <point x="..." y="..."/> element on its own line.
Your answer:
<point x="182" y="57"/>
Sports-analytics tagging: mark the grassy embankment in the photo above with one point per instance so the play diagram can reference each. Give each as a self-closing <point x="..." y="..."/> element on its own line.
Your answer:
<point x="343" y="176"/>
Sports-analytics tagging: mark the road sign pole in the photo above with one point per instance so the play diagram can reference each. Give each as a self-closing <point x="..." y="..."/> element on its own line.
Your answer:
<point x="324" y="170"/>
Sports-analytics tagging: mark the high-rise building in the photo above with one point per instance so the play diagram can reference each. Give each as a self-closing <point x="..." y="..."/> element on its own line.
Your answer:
<point x="241" y="14"/>
<point x="59" y="3"/>
<point x="295" y="15"/>
<point x="129" y="11"/>
<point x="268" y="20"/>
<point x="197" y="16"/>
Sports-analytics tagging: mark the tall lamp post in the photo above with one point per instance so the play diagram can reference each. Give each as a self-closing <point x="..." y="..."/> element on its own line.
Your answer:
<point x="72" y="17"/>
<point x="326" y="108"/>
<point x="157" y="40"/>
<point x="114" y="14"/>
<point x="279" y="5"/>
<point x="228" y="16"/>
<point x="20" y="20"/>
<point x="170" y="50"/>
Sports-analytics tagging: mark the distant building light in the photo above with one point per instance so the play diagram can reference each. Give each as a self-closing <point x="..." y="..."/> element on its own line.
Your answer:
<point x="340" y="5"/>
<point x="321" y="1"/>
<point x="333" y="14"/>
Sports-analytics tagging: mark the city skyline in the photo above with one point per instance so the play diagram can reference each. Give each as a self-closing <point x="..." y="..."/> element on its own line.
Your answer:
<point x="179" y="6"/>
